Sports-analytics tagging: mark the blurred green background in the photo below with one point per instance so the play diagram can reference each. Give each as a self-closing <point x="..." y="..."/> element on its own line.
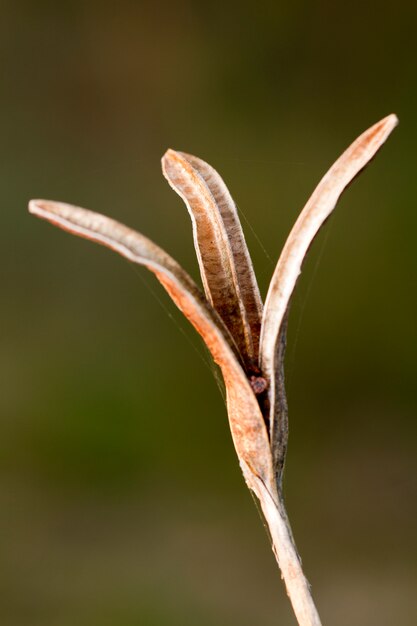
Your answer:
<point x="121" y="501"/>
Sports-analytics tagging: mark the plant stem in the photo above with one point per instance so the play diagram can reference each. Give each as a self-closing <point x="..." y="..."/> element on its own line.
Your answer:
<point x="283" y="546"/>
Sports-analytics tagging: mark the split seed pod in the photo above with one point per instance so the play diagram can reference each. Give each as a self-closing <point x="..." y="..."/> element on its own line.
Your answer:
<point x="246" y="340"/>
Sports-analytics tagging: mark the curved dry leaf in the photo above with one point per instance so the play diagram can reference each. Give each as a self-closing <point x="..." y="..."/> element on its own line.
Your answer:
<point x="225" y="265"/>
<point x="247" y="425"/>
<point x="318" y="208"/>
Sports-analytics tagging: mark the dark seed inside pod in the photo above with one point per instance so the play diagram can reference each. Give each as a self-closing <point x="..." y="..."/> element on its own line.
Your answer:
<point x="258" y="384"/>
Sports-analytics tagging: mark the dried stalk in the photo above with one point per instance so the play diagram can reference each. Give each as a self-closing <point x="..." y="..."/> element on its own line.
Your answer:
<point x="250" y="354"/>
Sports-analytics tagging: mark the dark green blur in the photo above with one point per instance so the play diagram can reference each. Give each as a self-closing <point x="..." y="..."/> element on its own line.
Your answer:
<point x="121" y="501"/>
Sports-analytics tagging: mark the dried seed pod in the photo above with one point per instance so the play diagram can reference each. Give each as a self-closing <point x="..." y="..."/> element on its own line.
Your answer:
<point x="312" y="217"/>
<point x="231" y="328"/>
<point x="225" y="265"/>
<point x="246" y="421"/>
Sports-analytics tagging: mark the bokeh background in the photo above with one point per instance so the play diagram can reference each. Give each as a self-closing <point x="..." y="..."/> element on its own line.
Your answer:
<point x="121" y="502"/>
